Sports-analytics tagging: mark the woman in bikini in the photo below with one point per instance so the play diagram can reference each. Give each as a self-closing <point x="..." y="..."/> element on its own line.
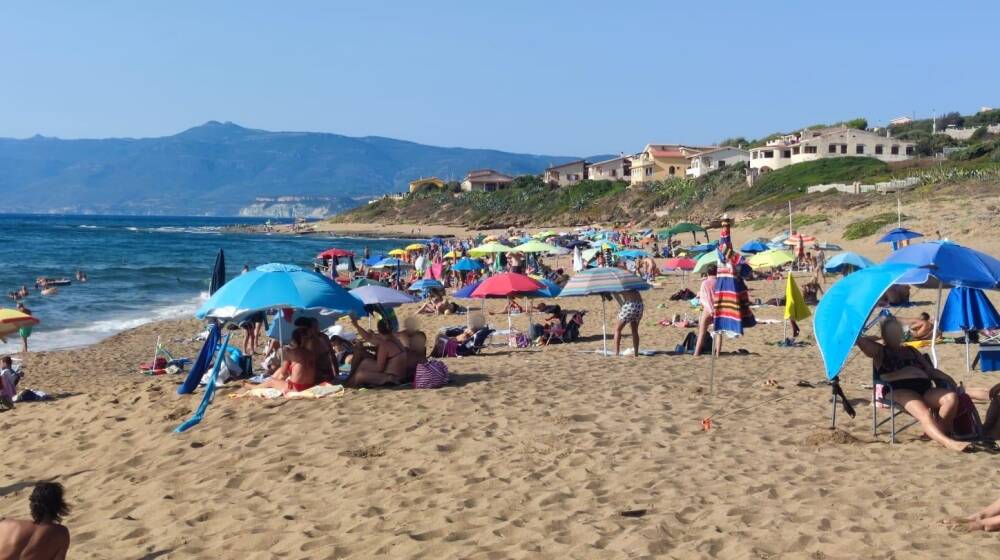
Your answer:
<point x="298" y="370"/>
<point x="912" y="377"/>
<point x="386" y="366"/>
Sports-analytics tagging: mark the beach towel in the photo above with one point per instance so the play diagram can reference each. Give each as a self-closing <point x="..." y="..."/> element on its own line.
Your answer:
<point x="731" y="302"/>
<point x="795" y="305"/>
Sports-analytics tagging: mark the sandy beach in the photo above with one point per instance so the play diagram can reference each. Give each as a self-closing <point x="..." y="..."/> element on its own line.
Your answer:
<point x="537" y="453"/>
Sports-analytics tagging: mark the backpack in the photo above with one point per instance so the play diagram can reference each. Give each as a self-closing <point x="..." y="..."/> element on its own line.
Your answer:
<point x="687" y="345"/>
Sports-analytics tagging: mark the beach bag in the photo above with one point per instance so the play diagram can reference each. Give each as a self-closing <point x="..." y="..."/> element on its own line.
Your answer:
<point x="690" y="341"/>
<point x="430" y="375"/>
<point x="967" y="421"/>
<point x="445" y="348"/>
<point x="518" y="340"/>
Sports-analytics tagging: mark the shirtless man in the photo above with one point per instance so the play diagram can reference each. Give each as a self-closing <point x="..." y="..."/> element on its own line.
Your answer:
<point x="42" y="538"/>
<point x="922" y="328"/>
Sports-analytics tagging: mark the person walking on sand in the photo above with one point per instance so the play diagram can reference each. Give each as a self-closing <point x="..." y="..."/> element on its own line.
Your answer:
<point x="630" y="314"/>
<point x="42" y="538"/>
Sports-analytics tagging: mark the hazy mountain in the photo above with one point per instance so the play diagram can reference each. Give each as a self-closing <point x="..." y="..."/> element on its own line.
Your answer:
<point x="217" y="168"/>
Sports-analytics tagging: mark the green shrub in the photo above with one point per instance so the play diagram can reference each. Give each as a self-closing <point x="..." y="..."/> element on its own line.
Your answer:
<point x="869" y="226"/>
<point x="791" y="182"/>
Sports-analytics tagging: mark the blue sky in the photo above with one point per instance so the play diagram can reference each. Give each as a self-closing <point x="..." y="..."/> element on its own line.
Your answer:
<point x="552" y="77"/>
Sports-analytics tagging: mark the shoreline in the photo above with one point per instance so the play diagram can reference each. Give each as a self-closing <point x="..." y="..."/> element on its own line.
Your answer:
<point x="366" y="230"/>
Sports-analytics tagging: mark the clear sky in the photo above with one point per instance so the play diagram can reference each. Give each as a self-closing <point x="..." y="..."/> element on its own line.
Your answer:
<point x="551" y="77"/>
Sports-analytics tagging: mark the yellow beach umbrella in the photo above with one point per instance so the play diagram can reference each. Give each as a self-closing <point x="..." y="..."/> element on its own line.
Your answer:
<point x="771" y="259"/>
<point x="397" y="253"/>
<point x="450" y="255"/>
<point x="416" y="247"/>
<point x="535" y="247"/>
<point x="11" y="320"/>
<point x="487" y="248"/>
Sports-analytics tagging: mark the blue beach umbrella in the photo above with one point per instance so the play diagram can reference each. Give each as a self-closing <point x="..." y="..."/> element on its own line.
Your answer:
<point x="753" y="246"/>
<point x="374" y="259"/>
<point x="551" y="289"/>
<point x="899" y="234"/>
<point x="467" y="265"/>
<point x="424" y="285"/>
<point x="968" y="309"/>
<point x="278" y="286"/>
<point x="466" y="291"/>
<point x="844" y="310"/>
<point x="632" y="254"/>
<point x="838" y="261"/>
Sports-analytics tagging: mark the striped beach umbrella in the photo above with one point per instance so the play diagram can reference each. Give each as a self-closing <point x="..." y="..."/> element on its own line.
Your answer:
<point x="602" y="280"/>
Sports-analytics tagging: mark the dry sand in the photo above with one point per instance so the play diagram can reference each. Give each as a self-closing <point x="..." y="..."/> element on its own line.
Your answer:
<point x="540" y="453"/>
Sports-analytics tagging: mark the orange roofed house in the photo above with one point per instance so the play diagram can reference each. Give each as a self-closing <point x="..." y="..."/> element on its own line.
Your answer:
<point x="659" y="162"/>
<point x="486" y="180"/>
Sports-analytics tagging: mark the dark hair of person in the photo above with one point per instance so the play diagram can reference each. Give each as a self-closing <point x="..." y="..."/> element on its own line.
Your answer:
<point x="925" y="316"/>
<point x="299" y="336"/>
<point x="712" y="270"/>
<point x="47" y="502"/>
<point x="6" y="361"/>
<point x="383" y="327"/>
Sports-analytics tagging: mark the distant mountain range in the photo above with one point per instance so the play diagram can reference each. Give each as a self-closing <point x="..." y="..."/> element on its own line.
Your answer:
<point x="219" y="168"/>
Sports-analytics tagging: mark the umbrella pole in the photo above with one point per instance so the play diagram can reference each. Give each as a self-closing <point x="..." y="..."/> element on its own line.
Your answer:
<point x="281" y="342"/>
<point x="604" y="325"/>
<point x="937" y="319"/>
<point x="968" y="363"/>
<point x="156" y="352"/>
<point x="711" y="370"/>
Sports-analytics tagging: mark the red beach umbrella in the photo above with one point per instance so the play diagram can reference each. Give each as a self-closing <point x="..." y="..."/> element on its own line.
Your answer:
<point x="335" y="253"/>
<point x="506" y="284"/>
<point x="679" y="264"/>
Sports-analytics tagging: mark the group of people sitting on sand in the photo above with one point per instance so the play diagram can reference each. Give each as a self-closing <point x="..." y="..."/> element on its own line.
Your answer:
<point x="376" y="358"/>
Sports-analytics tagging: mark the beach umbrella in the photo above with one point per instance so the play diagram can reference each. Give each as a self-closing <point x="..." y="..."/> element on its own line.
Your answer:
<point x="359" y="282"/>
<point x="712" y="257"/>
<point x="381" y="295"/>
<point x="945" y="264"/>
<point x="770" y="259"/>
<point x="218" y="273"/>
<point x="967" y="310"/>
<point x="551" y="289"/>
<point x="840" y="260"/>
<point x="397" y="253"/>
<point x="335" y="254"/>
<point x="535" y="247"/>
<point x="679" y="264"/>
<point x="683" y="227"/>
<point x="602" y="280"/>
<point x="11" y="320"/>
<point x="391" y="263"/>
<point x="829" y="247"/>
<point x="632" y="254"/>
<point x="799" y="238"/>
<point x="416" y="247"/>
<point x="753" y="246"/>
<point x="278" y="286"/>
<point x="487" y="248"/>
<point x="375" y="259"/>
<point x="896" y="235"/>
<point x="506" y="284"/>
<point x="468" y="265"/>
<point x="424" y="285"/>
<point x="465" y="292"/>
<point x="576" y="243"/>
<point x="450" y="255"/>
<point x="705" y="247"/>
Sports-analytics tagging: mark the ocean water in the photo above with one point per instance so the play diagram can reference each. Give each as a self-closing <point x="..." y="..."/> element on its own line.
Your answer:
<point x="140" y="269"/>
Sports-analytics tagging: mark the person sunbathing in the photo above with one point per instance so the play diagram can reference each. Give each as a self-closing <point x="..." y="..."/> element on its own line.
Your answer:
<point x="511" y="307"/>
<point x="433" y="304"/>
<point x="44" y="537"/>
<point x="921" y="328"/>
<point x="387" y="365"/>
<point x="298" y="370"/>
<point x="326" y="361"/>
<point x="912" y="377"/>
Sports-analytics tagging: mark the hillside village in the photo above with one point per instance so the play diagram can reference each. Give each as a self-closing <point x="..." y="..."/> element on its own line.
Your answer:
<point x="659" y="162"/>
<point x="666" y="181"/>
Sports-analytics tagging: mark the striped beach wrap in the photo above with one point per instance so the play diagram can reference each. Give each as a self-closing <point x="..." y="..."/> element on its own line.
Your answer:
<point x="732" y="300"/>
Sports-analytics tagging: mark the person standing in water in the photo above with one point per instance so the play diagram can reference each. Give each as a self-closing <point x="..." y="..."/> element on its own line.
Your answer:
<point x="24" y="331"/>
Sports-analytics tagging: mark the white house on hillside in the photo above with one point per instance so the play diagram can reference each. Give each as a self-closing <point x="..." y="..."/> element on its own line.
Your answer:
<point x="715" y="158"/>
<point x="821" y="143"/>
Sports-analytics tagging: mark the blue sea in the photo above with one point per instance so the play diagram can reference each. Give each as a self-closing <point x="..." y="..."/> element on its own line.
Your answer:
<point x="140" y="269"/>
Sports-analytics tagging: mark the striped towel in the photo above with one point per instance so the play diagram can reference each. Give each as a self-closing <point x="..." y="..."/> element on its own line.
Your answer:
<point x="732" y="300"/>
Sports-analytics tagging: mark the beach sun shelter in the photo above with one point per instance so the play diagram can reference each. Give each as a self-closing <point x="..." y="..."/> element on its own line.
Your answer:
<point x="507" y="284"/>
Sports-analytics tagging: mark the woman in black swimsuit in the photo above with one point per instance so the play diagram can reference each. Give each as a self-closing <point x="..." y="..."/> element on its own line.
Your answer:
<point x="912" y="377"/>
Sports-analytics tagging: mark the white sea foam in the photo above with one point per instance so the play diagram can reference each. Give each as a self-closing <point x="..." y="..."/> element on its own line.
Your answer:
<point x="101" y="329"/>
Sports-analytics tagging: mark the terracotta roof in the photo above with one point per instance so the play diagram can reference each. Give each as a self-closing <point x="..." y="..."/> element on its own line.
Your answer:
<point x="487" y="175"/>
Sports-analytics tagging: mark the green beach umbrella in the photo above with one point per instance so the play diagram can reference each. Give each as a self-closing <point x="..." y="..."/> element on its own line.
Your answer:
<point x="492" y="247"/>
<point x="711" y="257"/>
<point x="535" y="247"/>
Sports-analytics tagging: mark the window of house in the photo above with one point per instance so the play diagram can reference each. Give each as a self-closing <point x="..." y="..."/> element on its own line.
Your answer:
<point x="614" y="172"/>
<point x="878" y="149"/>
<point x="671" y="170"/>
<point x="786" y="154"/>
<point x="768" y="154"/>
<point x="843" y="148"/>
<point x="895" y="150"/>
<point x="795" y="150"/>
<point x="811" y="149"/>
<point x="833" y="148"/>
<point x="909" y="150"/>
<point x="722" y="163"/>
<point x="649" y="171"/>
<point x="859" y="149"/>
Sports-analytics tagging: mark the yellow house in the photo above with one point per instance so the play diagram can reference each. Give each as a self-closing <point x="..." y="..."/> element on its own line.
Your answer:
<point x="426" y="184"/>
<point x="658" y="162"/>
